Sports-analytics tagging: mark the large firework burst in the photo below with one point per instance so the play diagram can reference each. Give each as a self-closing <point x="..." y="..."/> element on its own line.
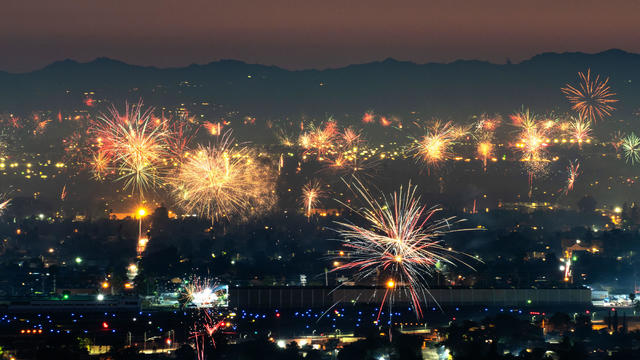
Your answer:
<point x="224" y="180"/>
<point x="400" y="245"/>
<point x="591" y="98"/>
<point x="136" y="143"/>
<point x="631" y="148"/>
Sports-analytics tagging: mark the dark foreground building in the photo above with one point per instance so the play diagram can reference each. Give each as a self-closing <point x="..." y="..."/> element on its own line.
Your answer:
<point x="324" y="297"/>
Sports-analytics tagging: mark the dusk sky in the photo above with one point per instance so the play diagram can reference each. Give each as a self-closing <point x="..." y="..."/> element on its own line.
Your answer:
<point x="300" y="34"/>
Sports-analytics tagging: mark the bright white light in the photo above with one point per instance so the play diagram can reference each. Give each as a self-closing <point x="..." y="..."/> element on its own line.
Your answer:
<point x="204" y="297"/>
<point x="100" y="297"/>
<point x="281" y="344"/>
<point x="562" y="267"/>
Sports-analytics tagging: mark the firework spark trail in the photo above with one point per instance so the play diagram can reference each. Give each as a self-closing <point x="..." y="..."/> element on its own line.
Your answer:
<point x="591" y="98"/>
<point x="136" y="144"/>
<point x="402" y="241"/>
<point x="311" y="194"/>
<point x="5" y="200"/>
<point x="223" y="180"/>
<point x="573" y="171"/>
<point x="63" y="193"/>
<point x="631" y="148"/>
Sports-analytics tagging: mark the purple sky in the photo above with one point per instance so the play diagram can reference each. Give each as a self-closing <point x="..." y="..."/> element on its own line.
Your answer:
<point x="308" y="33"/>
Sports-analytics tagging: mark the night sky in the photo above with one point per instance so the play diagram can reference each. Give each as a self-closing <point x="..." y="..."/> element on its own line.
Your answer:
<point x="308" y="33"/>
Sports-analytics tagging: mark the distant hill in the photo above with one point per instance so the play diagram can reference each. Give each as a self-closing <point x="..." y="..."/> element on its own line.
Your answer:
<point x="455" y="89"/>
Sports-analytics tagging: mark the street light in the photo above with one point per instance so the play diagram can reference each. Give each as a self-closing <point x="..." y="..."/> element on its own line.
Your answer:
<point x="141" y="213"/>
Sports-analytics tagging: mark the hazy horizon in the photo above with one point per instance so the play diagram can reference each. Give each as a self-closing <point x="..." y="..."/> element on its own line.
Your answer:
<point x="309" y="34"/>
<point x="366" y="61"/>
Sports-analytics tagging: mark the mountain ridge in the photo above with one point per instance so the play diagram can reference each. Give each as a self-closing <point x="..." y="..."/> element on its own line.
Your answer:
<point x="388" y="60"/>
<point x="388" y="86"/>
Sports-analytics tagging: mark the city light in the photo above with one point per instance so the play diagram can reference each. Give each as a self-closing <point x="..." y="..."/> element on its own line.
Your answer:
<point x="377" y="210"/>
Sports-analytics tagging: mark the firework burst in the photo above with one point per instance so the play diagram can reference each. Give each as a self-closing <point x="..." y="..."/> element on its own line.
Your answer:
<point x="617" y="139"/>
<point x="311" y="194"/>
<point x="400" y="245"/>
<point x="205" y="296"/>
<point x="487" y="123"/>
<point x="285" y="139"/>
<point x="631" y="148"/>
<point x="524" y="120"/>
<point x="591" y="98"/>
<point x="320" y="139"/>
<point x="99" y="165"/>
<point x="580" y="130"/>
<point x="136" y="143"/>
<point x="435" y="146"/>
<point x="485" y="151"/>
<point x="532" y="143"/>
<point x="368" y="117"/>
<point x="224" y="180"/>
<point x="351" y="137"/>
<point x="203" y="293"/>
